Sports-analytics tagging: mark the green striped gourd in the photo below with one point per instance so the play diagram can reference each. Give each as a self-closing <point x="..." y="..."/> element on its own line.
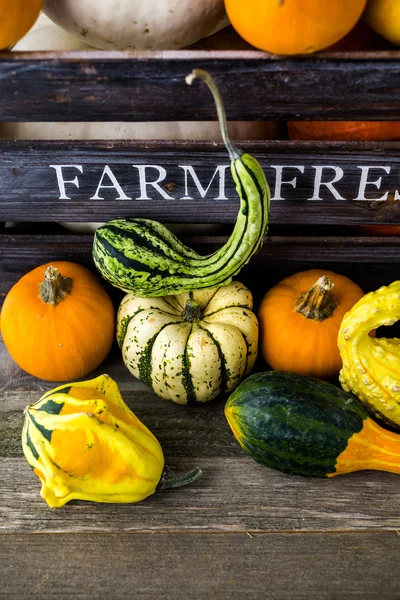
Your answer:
<point x="304" y="426"/>
<point x="189" y="347"/>
<point x="144" y="257"/>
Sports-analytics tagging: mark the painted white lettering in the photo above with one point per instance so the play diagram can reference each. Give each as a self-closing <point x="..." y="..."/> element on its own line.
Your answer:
<point x="279" y="181"/>
<point x="162" y="173"/>
<point x="61" y="181"/>
<point x="220" y="170"/>
<point x="377" y="183"/>
<point x="328" y="184"/>
<point x="114" y="184"/>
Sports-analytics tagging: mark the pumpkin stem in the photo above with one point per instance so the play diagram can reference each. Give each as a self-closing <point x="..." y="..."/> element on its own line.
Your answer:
<point x="192" y="311"/>
<point x="55" y="287"/>
<point x="169" y="480"/>
<point x="234" y="152"/>
<point x="318" y="303"/>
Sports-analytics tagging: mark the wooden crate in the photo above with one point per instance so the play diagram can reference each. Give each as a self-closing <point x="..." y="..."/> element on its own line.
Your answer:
<point x="292" y="536"/>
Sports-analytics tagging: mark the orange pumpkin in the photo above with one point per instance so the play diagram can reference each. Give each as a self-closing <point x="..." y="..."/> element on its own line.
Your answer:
<point x="344" y="130"/>
<point x="16" y="18"/>
<point x="383" y="230"/>
<point x="293" y="27"/>
<point x="383" y="16"/>
<point x="57" y="322"/>
<point x="299" y="322"/>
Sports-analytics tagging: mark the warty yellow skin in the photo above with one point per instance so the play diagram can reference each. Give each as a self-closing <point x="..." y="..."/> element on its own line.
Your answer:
<point x="84" y="443"/>
<point x="371" y="366"/>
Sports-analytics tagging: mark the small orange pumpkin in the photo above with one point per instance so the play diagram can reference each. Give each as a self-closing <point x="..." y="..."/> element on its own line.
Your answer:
<point x="293" y="27"/>
<point x="57" y="322"/>
<point x="16" y="18"/>
<point x="299" y="322"/>
<point x="344" y="130"/>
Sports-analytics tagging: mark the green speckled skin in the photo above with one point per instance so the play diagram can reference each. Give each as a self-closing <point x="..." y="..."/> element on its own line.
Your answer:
<point x="293" y="423"/>
<point x="143" y="257"/>
<point x="186" y="360"/>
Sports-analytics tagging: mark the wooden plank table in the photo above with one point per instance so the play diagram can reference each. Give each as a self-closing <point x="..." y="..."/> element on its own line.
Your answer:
<point x="242" y="530"/>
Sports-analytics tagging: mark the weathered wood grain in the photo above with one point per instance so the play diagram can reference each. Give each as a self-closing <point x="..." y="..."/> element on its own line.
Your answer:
<point x="150" y="86"/>
<point x="181" y="566"/>
<point x="233" y="494"/>
<point x="30" y="189"/>
<point x="370" y="262"/>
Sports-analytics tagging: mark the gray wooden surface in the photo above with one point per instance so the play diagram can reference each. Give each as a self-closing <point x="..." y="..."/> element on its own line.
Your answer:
<point x="240" y="531"/>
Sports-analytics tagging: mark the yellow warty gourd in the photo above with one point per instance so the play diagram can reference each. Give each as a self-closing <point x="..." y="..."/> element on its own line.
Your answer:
<point x="371" y="366"/>
<point x="84" y="443"/>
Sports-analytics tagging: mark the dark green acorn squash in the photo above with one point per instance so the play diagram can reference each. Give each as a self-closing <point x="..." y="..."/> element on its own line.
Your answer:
<point x="304" y="426"/>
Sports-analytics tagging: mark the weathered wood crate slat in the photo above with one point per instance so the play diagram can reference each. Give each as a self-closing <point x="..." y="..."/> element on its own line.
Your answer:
<point x="371" y="262"/>
<point x="311" y="183"/>
<point x="150" y="86"/>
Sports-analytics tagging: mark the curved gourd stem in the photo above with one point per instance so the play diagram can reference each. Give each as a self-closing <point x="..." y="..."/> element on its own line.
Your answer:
<point x="318" y="302"/>
<point x="55" y="287"/>
<point x="234" y="152"/>
<point x="149" y="271"/>
<point x="169" y="480"/>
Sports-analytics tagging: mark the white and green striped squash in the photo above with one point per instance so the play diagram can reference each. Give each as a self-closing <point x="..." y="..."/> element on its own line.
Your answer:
<point x="190" y="347"/>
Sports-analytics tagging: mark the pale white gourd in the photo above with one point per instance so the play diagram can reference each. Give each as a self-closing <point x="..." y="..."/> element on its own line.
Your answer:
<point x="191" y="347"/>
<point x="138" y="24"/>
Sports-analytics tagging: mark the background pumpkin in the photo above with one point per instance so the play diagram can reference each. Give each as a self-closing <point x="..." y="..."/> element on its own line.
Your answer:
<point x="300" y="27"/>
<point x="16" y="18"/>
<point x="190" y="347"/>
<point x="344" y="130"/>
<point x="384" y="230"/>
<point x="299" y="322"/>
<point x="57" y="322"/>
<point x="384" y="18"/>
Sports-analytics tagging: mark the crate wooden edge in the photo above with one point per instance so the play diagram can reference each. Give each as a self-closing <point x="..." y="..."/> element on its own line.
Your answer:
<point x="120" y="86"/>
<point x="195" y="54"/>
